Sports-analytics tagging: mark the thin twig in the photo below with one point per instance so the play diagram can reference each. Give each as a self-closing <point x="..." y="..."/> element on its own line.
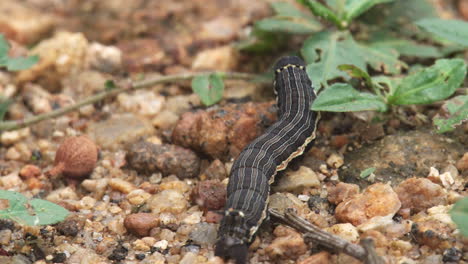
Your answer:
<point x="366" y="254"/>
<point x="17" y="124"/>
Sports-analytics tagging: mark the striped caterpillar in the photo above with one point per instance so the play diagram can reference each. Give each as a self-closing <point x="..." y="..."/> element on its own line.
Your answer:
<point x="256" y="167"/>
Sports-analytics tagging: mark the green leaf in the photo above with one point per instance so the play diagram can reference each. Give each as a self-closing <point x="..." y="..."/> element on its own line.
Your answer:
<point x="355" y="8"/>
<point x="408" y="48"/>
<point x="356" y="72"/>
<point x="453" y="30"/>
<point x="4" y="105"/>
<point x="288" y="19"/>
<point x="210" y="88"/>
<point x="382" y="59"/>
<point x="21" y="63"/>
<point x="109" y="85"/>
<point x="342" y="97"/>
<point x="322" y="11"/>
<point x="325" y="51"/>
<point x="431" y="84"/>
<point x="34" y="212"/>
<point x="44" y="209"/>
<point x="365" y="173"/>
<point x="293" y="25"/>
<point x="14" y="64"/>
<point x="459" y="214"/>
<point x="457" y="109"/>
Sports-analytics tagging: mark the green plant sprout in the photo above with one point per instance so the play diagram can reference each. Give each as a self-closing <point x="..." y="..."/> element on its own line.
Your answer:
<point x="31" y="212"/>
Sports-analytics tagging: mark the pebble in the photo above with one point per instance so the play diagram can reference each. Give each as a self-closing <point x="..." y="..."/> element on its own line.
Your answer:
<point x="297" y="181"/>
<point x="118" y="130"/>
<point x="11" y="137"/>
<point x="189" y="258"/>
<point x="222" y="133"/>
<point x="170" y="201"/>
<point x="462" y="164"/>
<point x="121" y="185"/>
<point x="69" y="227"/>
<point x="10" y="181"/>
<point x="341" y="192"/>
<point x="319" y="258"/>
<point x="30" y="171"/>
<point x="418" y="194"/>
<point x="288" y="244"/>
<point x="168" y="159"/>
<point x="463" y="8"/>
<point x="61" y="194"/>
<point x="221" y="59"/>
<point x="204" y="234"/>
<point x="5" y="237"/>
<point x="60" y="55"/>
<point x="104" y="58"/>
<point x="282" y="201"/>
<point x="24" y="24"/>
<point x="210" y="195"/>
<point x="193" y="218"/>
<point x="145" y="103"/>
<point x="215" y="171"/>
<point x="138" y="197"/>
<point x="13" y="154"/>
<point x="335" y="161"/>
<point x="376" y="200"/>
<point x="165" y="119"/>
<point x="346" y="231"/>
<point x="86" y="203"/>
<point x="140" y="245"/>
<point x="140" y="224"/>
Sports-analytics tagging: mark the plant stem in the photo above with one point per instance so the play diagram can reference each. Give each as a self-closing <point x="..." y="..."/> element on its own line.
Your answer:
<point x="17" y="124"/>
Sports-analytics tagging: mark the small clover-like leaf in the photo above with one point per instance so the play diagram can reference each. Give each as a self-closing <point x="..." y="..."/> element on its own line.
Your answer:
<point x="14" y="64"/>
<point x="209" y="88"/>
<point x="365" y="173"/>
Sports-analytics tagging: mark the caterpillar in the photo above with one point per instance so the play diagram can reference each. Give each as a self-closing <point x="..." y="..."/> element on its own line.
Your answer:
<point x="256" y="166"/>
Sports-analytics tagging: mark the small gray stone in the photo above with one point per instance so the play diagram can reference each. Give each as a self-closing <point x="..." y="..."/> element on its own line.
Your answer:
<point x="204" y="234"/>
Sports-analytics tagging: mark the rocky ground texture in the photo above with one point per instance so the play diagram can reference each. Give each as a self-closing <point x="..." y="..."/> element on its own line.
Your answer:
<point x="163" y="158"/>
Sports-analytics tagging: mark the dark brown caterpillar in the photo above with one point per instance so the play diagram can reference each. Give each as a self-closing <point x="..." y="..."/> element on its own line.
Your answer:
<point x="255" y="168"/>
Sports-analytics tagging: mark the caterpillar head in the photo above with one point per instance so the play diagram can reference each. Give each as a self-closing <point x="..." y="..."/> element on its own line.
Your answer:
<point x="233" y="242"/>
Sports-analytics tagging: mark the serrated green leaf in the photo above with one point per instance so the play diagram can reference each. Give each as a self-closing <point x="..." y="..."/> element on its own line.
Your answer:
<point x="431" y="84"/>
<point x="453" y="30"/>
<point x="457" y="109"/>
<point x="365" y="173"/>
<point x="355" y="8"/>
<point x="408" y="48"/>
<point x="209" y="88"/>
<point x="383" y="59"/>
<point x="342" y="97"/>
<point x="325" y="51"/>
<point x="322" y="11"/>
<point x="459" y="214"/>
<point x="293" y="25"/>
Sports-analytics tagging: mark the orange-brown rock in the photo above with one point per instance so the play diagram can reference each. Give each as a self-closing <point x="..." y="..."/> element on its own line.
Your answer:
<point x="210" y="195"/>
<point x="141" y="223"/>
<point x="377" y="200"/>
<point x="319" y="258"/>
<point x="288" y="244"/>
<point x="418" y="194"/>
<point x="462" y="164"/>
<point x="341" y="192"/>
<point x="224" y="132"/>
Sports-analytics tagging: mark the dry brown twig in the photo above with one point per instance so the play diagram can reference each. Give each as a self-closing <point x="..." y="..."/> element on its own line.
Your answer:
<point x="365" y="253"/>
<point x="130" y="86"/>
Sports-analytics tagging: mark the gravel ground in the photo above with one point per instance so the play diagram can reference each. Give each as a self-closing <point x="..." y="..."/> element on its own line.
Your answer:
<point x="163" y="159"/>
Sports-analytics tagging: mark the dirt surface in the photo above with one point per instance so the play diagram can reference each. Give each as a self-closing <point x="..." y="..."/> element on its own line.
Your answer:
<point x="164" y="159"/>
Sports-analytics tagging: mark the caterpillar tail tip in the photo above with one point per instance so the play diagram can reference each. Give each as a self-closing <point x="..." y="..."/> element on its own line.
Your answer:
<point x="237" y="252"/>
<point x="288" y="60"/>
